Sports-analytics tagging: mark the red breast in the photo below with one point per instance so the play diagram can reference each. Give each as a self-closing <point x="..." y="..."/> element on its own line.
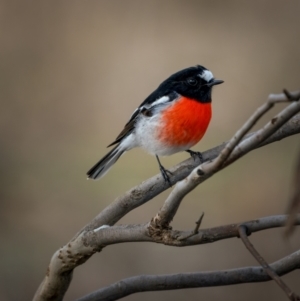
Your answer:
<point x="185" y="122"/>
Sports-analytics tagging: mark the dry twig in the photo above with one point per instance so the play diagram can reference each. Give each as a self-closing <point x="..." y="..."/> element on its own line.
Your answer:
<point x="270" y="271"/>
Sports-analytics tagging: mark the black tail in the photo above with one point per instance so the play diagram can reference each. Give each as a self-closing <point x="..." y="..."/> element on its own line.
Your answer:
<point x="104" y="165"/>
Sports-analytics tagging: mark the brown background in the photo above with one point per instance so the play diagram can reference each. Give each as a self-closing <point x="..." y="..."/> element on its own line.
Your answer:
<point x="71" y="74"/>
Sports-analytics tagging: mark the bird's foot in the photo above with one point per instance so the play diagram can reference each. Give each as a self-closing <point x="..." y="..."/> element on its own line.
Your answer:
<point x="165" y="174"/>
<point x="195" y="155"/>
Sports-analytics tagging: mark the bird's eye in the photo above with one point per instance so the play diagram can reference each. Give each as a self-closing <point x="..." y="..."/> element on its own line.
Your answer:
<point x="192" y="81"/>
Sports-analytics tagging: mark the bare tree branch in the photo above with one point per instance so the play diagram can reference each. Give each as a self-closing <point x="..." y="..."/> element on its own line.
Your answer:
<point x="94" y="236"/>
<point x="100" y="238"/>
<point x="144" y="283"/>
<point x="89" y="242"/>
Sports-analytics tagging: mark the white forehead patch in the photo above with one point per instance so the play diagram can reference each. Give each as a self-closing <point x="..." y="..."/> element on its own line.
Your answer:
<point x="206" y="75"/>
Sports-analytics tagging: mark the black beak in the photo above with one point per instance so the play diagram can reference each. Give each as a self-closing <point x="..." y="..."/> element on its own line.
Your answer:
<point x="214" y="82"/>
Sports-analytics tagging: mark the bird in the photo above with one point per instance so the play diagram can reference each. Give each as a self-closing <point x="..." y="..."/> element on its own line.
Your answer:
<point x="172" y="119"/>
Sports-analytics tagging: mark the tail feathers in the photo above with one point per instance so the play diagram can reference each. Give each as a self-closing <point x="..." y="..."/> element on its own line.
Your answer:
<point x="104" y="165"/>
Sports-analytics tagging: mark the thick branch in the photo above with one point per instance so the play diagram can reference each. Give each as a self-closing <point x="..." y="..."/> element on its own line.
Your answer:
<point x="145" y="283"/>
<point x="133" y="233"/>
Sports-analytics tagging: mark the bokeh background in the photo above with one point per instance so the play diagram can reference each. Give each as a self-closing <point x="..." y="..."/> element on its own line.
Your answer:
<point x="71" y="74"/>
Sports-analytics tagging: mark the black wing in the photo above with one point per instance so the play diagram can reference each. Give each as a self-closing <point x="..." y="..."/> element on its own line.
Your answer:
<point x="128" y="128"/>
<point x="147" y="107"/>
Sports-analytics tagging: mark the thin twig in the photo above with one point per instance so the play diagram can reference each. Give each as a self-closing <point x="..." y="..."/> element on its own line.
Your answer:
<point x="291" y="96"/>
<point x="198" y="223"/>
<point x="195" y="231"/>
<point x="271" y="272"/>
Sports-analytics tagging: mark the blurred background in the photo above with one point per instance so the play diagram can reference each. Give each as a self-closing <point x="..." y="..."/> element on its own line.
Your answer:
<point x="72" y="72"/>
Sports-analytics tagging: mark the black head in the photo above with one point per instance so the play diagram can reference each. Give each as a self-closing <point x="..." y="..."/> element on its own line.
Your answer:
<point x="194" y="82"/>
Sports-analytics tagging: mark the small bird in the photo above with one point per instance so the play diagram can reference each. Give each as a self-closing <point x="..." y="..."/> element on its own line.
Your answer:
<point x="171" y="119"/>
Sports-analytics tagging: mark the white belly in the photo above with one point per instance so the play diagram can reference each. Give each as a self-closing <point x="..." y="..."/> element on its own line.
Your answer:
<point x="146" y="136"/>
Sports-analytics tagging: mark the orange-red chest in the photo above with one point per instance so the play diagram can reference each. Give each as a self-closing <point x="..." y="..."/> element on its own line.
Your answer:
<point x="185" y="122"/>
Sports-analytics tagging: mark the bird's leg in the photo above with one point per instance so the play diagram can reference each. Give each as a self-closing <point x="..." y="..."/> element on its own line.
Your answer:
<point x="195" y="155"/>
<point x="164" y="172"/>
